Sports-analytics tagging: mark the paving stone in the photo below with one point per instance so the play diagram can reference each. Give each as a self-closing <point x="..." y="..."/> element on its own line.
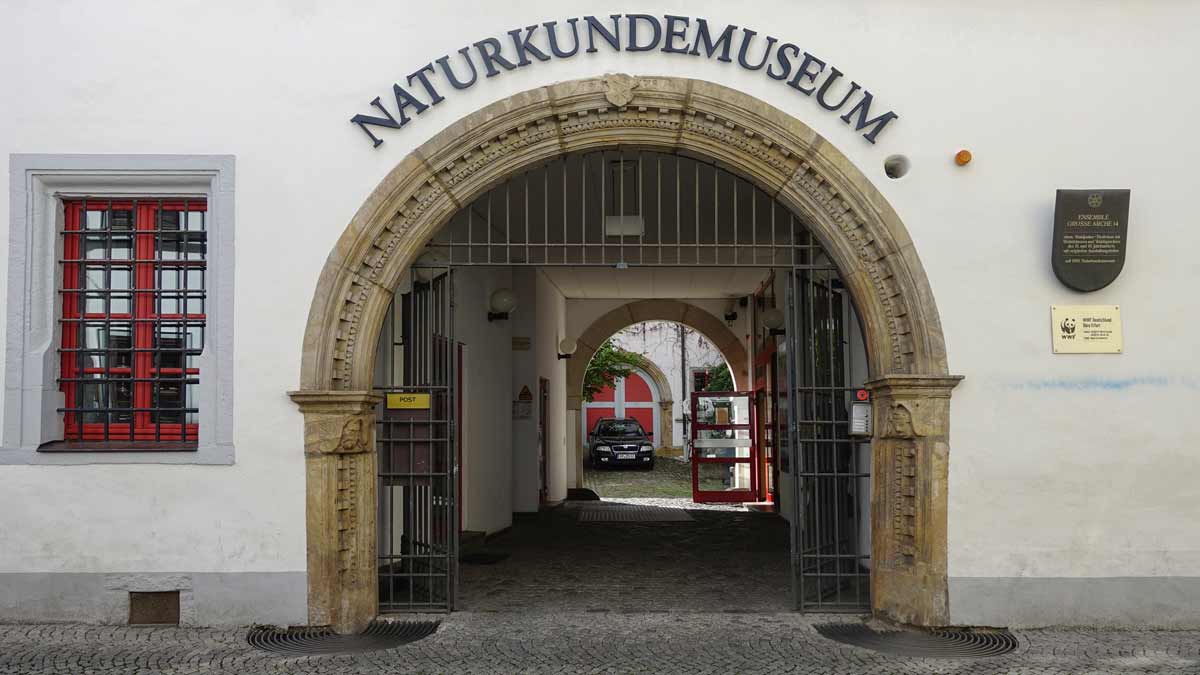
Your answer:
<point x="584" y="642"/>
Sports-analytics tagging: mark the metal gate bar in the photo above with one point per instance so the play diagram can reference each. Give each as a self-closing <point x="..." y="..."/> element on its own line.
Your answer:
<point x="417" y="452"/>
<point x="831" y="573"/>
<point x="635" y="208"/>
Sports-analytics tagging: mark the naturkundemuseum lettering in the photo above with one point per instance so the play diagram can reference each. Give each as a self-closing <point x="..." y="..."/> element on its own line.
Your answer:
<point x="786" y="63"/>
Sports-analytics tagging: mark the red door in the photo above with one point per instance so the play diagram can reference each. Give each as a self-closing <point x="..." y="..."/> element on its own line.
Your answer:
<point x="724" y="451"/>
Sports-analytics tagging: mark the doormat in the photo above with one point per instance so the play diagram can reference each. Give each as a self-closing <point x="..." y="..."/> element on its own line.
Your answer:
<point x="931" y="644"/>
<point x="309" y="641"/>
<point x="482" y="557"/>
<point x="621" y="513"/>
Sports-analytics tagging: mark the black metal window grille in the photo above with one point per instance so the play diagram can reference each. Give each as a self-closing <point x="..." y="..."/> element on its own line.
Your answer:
<point x="417" y="451"/>
<point x="133" y="319"/>
<point x="831" y="566"/>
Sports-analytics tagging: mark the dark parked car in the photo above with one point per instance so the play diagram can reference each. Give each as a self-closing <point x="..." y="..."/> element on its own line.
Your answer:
<point x="620" y="442"/>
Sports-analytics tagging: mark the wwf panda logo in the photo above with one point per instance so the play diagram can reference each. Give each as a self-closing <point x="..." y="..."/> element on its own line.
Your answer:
<point x="1067" y="326"/>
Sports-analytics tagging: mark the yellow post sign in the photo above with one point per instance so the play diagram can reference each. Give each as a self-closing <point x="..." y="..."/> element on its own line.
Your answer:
<point x="1086" y="329"/>
<point x="407" y="401"/>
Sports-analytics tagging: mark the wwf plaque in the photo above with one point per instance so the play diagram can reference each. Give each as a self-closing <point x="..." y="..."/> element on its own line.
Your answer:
<point x="1086" y="329"/>
<point x="1090" y="230"/>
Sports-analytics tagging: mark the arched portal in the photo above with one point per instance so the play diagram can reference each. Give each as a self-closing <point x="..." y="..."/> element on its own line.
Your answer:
<point x="607" y="325"/>
<point x="857" y="228"/>
<point x="638" y="311"/>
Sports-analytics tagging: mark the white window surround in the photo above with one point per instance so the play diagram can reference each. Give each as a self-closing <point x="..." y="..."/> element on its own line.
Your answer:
<point x="37" y="184"/>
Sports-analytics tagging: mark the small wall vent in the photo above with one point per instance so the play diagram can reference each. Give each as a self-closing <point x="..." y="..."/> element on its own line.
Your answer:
<point x="154" y="608"/>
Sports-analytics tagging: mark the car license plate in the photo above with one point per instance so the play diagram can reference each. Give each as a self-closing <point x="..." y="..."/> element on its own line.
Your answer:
<point x="626" y="455"/>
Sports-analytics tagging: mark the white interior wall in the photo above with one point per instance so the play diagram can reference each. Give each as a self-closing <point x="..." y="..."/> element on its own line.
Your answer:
<point x="539" y="317"/>
<point x="551" y="328"/>
<point x="487" y="378"/>
<point x="524" y="322"/>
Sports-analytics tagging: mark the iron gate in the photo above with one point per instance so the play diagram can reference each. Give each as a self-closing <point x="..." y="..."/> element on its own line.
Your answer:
<point x="416" y="442"/>
<point x="832" y="470"/>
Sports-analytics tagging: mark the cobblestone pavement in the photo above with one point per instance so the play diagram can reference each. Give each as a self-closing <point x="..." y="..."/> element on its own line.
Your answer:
<point x="673" y="503"/>
<point x="582" y="642"/>
<point x="669" y="478"/>
<point x="723" y="560"/>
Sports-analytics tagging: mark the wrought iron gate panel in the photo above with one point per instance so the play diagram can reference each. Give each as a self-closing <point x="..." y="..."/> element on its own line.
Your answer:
<point x="831" y="572"/>
<point x="417" y="450"/>
<point x="626" y="207"/>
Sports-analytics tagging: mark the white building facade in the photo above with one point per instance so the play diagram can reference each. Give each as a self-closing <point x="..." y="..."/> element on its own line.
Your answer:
<point x="1056" y="488"/>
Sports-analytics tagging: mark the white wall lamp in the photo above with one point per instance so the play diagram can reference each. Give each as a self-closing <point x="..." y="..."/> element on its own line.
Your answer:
<point x="502" y="302"/>
<point x="773" y="319"/>
<point x="567" y="347"/>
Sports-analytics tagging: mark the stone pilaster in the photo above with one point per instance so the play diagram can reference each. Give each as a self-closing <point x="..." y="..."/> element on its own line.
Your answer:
<point x="575" y="442"/>
<point x="339" y="458"/>
<point x="665" y="436"/>
<point x="910" y="467"/>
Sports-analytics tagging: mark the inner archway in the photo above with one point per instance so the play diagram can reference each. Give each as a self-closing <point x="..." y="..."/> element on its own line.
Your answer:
<point x="859" y="231"/>
<point x="631" y="313"/>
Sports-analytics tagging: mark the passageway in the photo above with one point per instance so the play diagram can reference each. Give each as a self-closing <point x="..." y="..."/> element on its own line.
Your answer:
<point x="721" y="559"/>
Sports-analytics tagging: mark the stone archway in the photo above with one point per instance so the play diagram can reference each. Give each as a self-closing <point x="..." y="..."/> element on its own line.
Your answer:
<point x="854" y="223"/>
<point x="638" y="311"/>
<point x="607" y="325"/>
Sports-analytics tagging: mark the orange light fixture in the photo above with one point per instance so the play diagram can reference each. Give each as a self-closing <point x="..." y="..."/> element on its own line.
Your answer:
<point x="962" y="157"/>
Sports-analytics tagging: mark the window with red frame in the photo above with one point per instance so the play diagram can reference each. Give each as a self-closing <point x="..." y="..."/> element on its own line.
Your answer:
<point x="133" y="317"/>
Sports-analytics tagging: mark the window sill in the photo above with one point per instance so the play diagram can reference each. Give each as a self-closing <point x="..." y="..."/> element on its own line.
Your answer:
<point x="146" y="452"/>
<point x="118" y="446"/>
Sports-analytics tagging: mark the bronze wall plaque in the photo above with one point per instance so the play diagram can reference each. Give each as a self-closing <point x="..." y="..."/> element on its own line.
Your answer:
<point x="1090" y="229"/>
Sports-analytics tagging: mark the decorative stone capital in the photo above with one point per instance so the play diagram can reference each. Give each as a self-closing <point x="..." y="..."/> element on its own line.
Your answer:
<point x="335" y="401"/>
<point x="912" y="406"/>
<point x="904" y="386"/>
<point x="337" y="422"/>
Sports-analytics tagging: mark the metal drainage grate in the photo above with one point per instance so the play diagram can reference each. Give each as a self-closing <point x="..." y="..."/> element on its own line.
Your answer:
<point x="932" y="644"/>
<point x="632" y="514"/>
<point x="306" y="641"/>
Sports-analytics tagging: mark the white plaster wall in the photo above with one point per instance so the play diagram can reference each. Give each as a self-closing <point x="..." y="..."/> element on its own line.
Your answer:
<point x="524" y="322"/>
<point x="540" y="316"/>
<point x="1061" y="465"/>
<point x="487" y="375"/>
<point x="551" y="328"/>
